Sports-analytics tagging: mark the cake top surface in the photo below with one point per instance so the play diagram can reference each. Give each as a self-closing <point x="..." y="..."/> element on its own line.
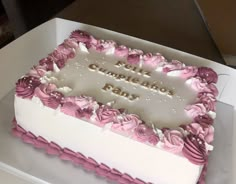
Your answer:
<point x="157" y="98"/>
<point x="140" y="95"/>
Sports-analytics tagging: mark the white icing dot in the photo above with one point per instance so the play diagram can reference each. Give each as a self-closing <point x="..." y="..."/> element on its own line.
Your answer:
<point x="174" y="111"/>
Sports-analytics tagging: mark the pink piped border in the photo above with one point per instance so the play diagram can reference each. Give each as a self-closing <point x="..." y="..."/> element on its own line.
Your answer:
<point x="77" y="158"/>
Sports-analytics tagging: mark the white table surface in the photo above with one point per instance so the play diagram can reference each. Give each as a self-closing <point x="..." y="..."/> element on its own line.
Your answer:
<point x="8" y="178"/>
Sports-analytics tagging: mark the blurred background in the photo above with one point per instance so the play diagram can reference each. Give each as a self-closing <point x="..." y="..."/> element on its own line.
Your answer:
<point x="205" y="28"/>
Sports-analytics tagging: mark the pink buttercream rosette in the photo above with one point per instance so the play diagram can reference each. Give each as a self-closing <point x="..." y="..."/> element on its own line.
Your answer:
<point x="145" y="134"/>
<point x="203" y="131"/>
<point x="47" y="63"/>
<point x="26" y="85"/>
<point x="173" y="65"/>
<point x="134" y="56"/>
<point x="203" y="120"/>
<point x="207" y="74"/>
<point x="121" y="51"/>
<point x="38" y="71"/>
<point x="153" y="60"/>
<point x="48" y="95"/>
<point x="126" y="124"/>
<point x="195" y="150"/>
<point x="106" y="114"/>
<point x="185" y="72"/>
<point x="80" y="107"/>
<point x="103" y="46"/>
<point x="173" y="141"/>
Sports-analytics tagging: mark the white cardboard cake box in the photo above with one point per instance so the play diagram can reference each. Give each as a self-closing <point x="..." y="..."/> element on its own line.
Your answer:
<point x="20" y="160"/>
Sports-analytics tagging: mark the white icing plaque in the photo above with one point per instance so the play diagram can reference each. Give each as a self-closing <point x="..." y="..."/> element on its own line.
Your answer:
<point x="158" y="99"/>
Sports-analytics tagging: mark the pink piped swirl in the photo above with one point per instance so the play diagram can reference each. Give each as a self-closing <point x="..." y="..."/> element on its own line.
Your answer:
<point x="195" y="110"/>
<point x="68" y="52"/>
<point x="69" y="108"/>
<point x="194" y="150"/>
<point x="71" y="42"/>
<point x="204" y="132"/>
<point x="106" y="114"/>
<point x="211" y="88"/>
<point x="48" y="96"/>
<point x="37" y="71"/>
<point x="80" y="107"/>
<point x="153" y="139"/>
<point x="86" y="106"/>
<point x="188" y="72"/>
<point x="173" y="141"/>
<point x="61" y="54"/>
<point x="208" y="100"/>
<point x="143" y="133"/>
<point x="152" y="60"/>
<point x="81" y="36"/>
<point x="173" y="65"/>
<point x="55" y="99"/>
<point x="127" y="123"/>
<point x="204" y="120"/>
<point x="121" y="51"/>
<point x="104" y="46"/>
<point x="198" y="85"/>
<point x="25" y="86"/>
<point x="47" y="63"/>
<point x="185" y="73"/>
<point x="134" y="56"/>
<point x="207" y="74"/>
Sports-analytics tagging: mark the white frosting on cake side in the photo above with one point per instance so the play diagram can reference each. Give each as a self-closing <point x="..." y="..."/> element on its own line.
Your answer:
<point x="119" y="152"/>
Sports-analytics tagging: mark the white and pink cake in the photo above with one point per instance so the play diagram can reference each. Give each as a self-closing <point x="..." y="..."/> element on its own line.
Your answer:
<point x="130" y="116"/>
